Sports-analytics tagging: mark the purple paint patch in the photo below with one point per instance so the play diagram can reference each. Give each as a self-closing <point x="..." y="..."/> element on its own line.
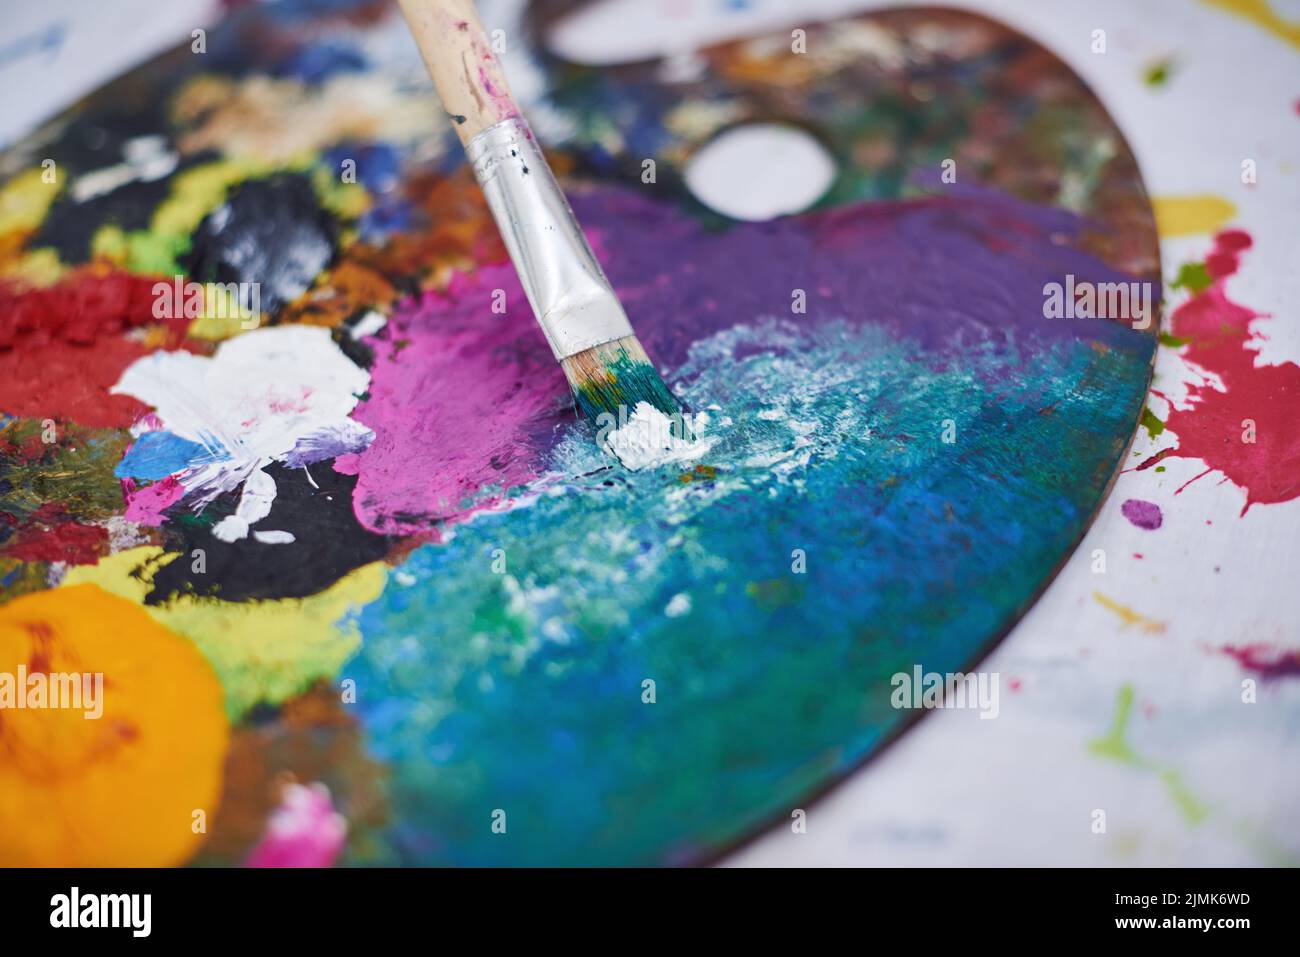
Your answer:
<point x="328" y="443"/>
<point x="1143" y="514"/>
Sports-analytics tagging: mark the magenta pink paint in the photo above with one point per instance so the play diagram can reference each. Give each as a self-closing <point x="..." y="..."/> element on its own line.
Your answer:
<point x="461" y="397"/>
<point x="147" y="505"/>
<point x="304" y="831"/>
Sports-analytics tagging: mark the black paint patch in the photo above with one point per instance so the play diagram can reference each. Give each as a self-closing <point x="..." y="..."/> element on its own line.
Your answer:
<point x="328" y="543"/>
<point x="358" y="351"/>
<point x="69" y="227"/>
<point x="98" y="135"/>
<point x="271" y="231"/>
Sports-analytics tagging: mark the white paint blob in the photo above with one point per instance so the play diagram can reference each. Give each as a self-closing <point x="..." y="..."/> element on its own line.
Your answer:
<point x="678" y="605"/>
<point x="275" y="538"/>
<point x="253" y="402"/>
<point x="647" y="440"/>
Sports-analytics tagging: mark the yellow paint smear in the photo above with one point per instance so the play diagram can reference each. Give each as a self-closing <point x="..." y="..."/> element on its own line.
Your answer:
<point x="1261" y="13"/>
<point x="1128" y="616"/>
<point x="263" y="651"/>
<point x="120" y="789"/>
<point x="1191" y="215"/>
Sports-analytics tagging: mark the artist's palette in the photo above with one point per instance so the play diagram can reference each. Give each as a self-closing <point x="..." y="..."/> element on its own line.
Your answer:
<point x="381" y="553"/>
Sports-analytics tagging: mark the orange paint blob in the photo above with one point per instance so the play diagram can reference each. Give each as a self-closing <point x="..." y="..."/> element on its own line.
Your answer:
<point x="120" y="789"/>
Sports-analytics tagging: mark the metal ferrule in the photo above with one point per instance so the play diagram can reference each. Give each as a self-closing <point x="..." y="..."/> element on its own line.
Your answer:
<point x="573" y="301"/>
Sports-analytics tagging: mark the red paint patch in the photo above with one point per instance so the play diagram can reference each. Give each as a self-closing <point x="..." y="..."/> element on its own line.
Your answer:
<point x="1257" y="402"/>
<point x="63" y="347"/>
<point x="48" y="537"/>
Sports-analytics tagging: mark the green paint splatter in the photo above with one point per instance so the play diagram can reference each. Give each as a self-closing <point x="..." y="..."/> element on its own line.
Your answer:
<point x="1193" y="277"/>
<point x="1192" y="810"/>
<point x="1114" y="746"/>
<point x="1149" y="422"/>
<point x="1172" y="341"/>
<point x="1157" y="73"/>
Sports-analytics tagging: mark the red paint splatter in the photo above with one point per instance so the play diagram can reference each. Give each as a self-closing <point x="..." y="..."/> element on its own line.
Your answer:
<point x="1153" y="460"/>
<point x="1216" y="426"/>
<point x="63" y="347"/>
<point x="1266" y="660"/>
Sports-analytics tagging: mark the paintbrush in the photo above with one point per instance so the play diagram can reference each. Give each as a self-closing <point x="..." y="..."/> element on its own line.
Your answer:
<point x="588" y="331"/>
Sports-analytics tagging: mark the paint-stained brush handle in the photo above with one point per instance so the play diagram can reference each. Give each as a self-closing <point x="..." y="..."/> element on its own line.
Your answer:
<point x="465" y="72"/>
<point x="572" y="299"/>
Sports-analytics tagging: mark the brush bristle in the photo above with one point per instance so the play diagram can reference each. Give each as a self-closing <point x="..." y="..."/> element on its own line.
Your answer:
<point x="617" y="374"/>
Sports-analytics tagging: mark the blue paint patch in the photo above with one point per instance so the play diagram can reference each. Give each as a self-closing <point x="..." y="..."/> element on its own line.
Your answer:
<point x="378" y="165"/>
<point x="156" y="455"/>
<point x="317" y="62"/>
<point x="391" y="215"/>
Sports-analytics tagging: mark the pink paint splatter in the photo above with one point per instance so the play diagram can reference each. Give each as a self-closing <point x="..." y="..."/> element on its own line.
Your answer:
<point x="1142" y="514"/>
<point x="461" y="397"/>
<point x="148" y="505"/>
<point x="1248" y="430"/>
<point x="1268" y="661"/>
<point x="304" y="831"/>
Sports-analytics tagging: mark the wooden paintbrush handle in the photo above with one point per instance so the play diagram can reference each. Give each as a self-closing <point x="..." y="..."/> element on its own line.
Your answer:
<point x="465" y="72"/>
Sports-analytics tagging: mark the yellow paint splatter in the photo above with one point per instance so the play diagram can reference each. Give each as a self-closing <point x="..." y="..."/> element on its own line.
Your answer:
<point x="199" y="190"/>
<point x="25" y="199"/>
<point x="40" y="267"/>
<point x="1261" y="13"/>
<point x="117" y="790"/>
<point x="263" y="651"/>
<point x="348" y="201"/>
<point x="1191" y="215"/>
<point x="1128" y="616"/>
